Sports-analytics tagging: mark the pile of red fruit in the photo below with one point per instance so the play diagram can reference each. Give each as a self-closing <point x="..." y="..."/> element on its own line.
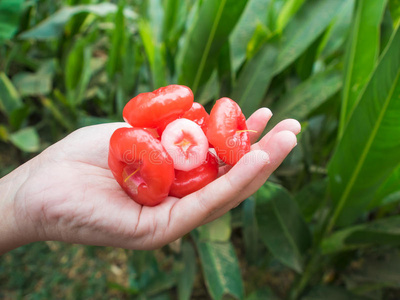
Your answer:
<point x="167" y="149"/>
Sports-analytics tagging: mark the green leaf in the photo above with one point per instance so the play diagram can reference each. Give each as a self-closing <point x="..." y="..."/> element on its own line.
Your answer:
<point x="274" y="10"/>
<point x="10" y="12"/>
<point x="188" y="274"/>
<point x="61" y="117"/>
<point x="210" y="91"/>
<point x="118" y="44"/>
<point x="53" y="26"/>
<point x="388" y="191"/>
<point x="160" y="282"/>
<point x="368" y="150"/>
<point x="304" y="28"/>
<point x="307" y="96"/>
<point x="288" y="10"/>
<point x="254" y="79"/>
<point x="386" y="30"/>
<point x="260" y="36"/>
<point x="9" y="97"/>
<point x="381" y="232"/>
<point x="171" y="10"/>
<point x="306" y="62"/>
<point x="220" y="269"/>
<point x="26" y="139"/>
<point x="175" y="14"/>
<point x="253" y="15"/>
<point x="361" y="55"/>
<point x="394" y="6"/>
<point x="18" y="116"/>
<point x="224" y="69"/>
<point x="218" y="230"/>
<point x="250" y="230"/>
<point x="36" y="84"/>
<point x="131" y="63"/>
<point x="155" y="54"/>
<point x="338" y="30"/>
<point x="311" y="197"/>
<point x="78" y="71"/>
<point x="281" y="225"/>
<point x="155" y="14"/>
<point x="146" y="276"/>
<point x="206" y="36"/>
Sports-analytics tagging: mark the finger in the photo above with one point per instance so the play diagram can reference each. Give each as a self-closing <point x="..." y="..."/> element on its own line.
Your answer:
<point x="288" y="124"/>
<point x="291" y="125"/>
<point x="191" y="211"/>
<point x="278" y="148"/>
<point x="257" y="122"/>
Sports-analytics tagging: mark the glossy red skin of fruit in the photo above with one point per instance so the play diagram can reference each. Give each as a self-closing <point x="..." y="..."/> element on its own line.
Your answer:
<point x="198" y="114"/>
<point x="141" y="165"/>
<point x="188" y="182"/>
<point x="157" y="109"/>
<point x="227" y="131"/>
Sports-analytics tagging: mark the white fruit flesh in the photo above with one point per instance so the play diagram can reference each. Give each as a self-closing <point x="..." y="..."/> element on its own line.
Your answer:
<point x="186" y="143"/>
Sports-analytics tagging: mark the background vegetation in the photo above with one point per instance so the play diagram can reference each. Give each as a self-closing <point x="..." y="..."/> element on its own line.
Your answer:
<point x="326" y="225"/>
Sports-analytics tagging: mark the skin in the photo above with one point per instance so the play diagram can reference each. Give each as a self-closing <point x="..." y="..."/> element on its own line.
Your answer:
<point x="67" y="193"/>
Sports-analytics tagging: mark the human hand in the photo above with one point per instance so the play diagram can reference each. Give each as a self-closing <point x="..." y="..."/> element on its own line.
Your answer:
<point x="67" y="193"/>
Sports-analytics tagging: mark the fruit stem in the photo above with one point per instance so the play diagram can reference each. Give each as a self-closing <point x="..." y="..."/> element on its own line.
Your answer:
<point x="134" y="172"/>
<point x="247" y="130"/>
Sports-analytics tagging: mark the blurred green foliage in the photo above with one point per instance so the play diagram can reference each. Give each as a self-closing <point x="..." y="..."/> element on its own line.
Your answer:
<point x="325" y="226"/>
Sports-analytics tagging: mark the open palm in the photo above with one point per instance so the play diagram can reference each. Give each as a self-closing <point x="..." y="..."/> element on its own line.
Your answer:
<point x="70" y="194"/>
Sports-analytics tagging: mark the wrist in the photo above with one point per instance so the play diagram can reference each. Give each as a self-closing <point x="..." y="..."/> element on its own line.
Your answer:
<point x="14" y="228"/>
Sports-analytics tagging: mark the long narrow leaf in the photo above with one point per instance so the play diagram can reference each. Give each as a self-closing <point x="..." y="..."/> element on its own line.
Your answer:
<point x="207" y="34"/>
<point x="338" y="31"/>
<point x="369" y="149"/>
<point x="381" y="232"/>
<point x="118" y="42"/>
<point x="362" y="54"/>
<point x="303" y="99"/>
<point x="388" y="191"/>
<point x="154" y="53"/>
<point x="394" y="6"/>
<point x="254" y="14"/>
<point x="54" y="25"/>
<point x="288" y="10"/>
<point x="78" y="72"/>
<point x="155" y="14"/>
<point x="254" y="80"/>
<point x="306" y="26"/>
